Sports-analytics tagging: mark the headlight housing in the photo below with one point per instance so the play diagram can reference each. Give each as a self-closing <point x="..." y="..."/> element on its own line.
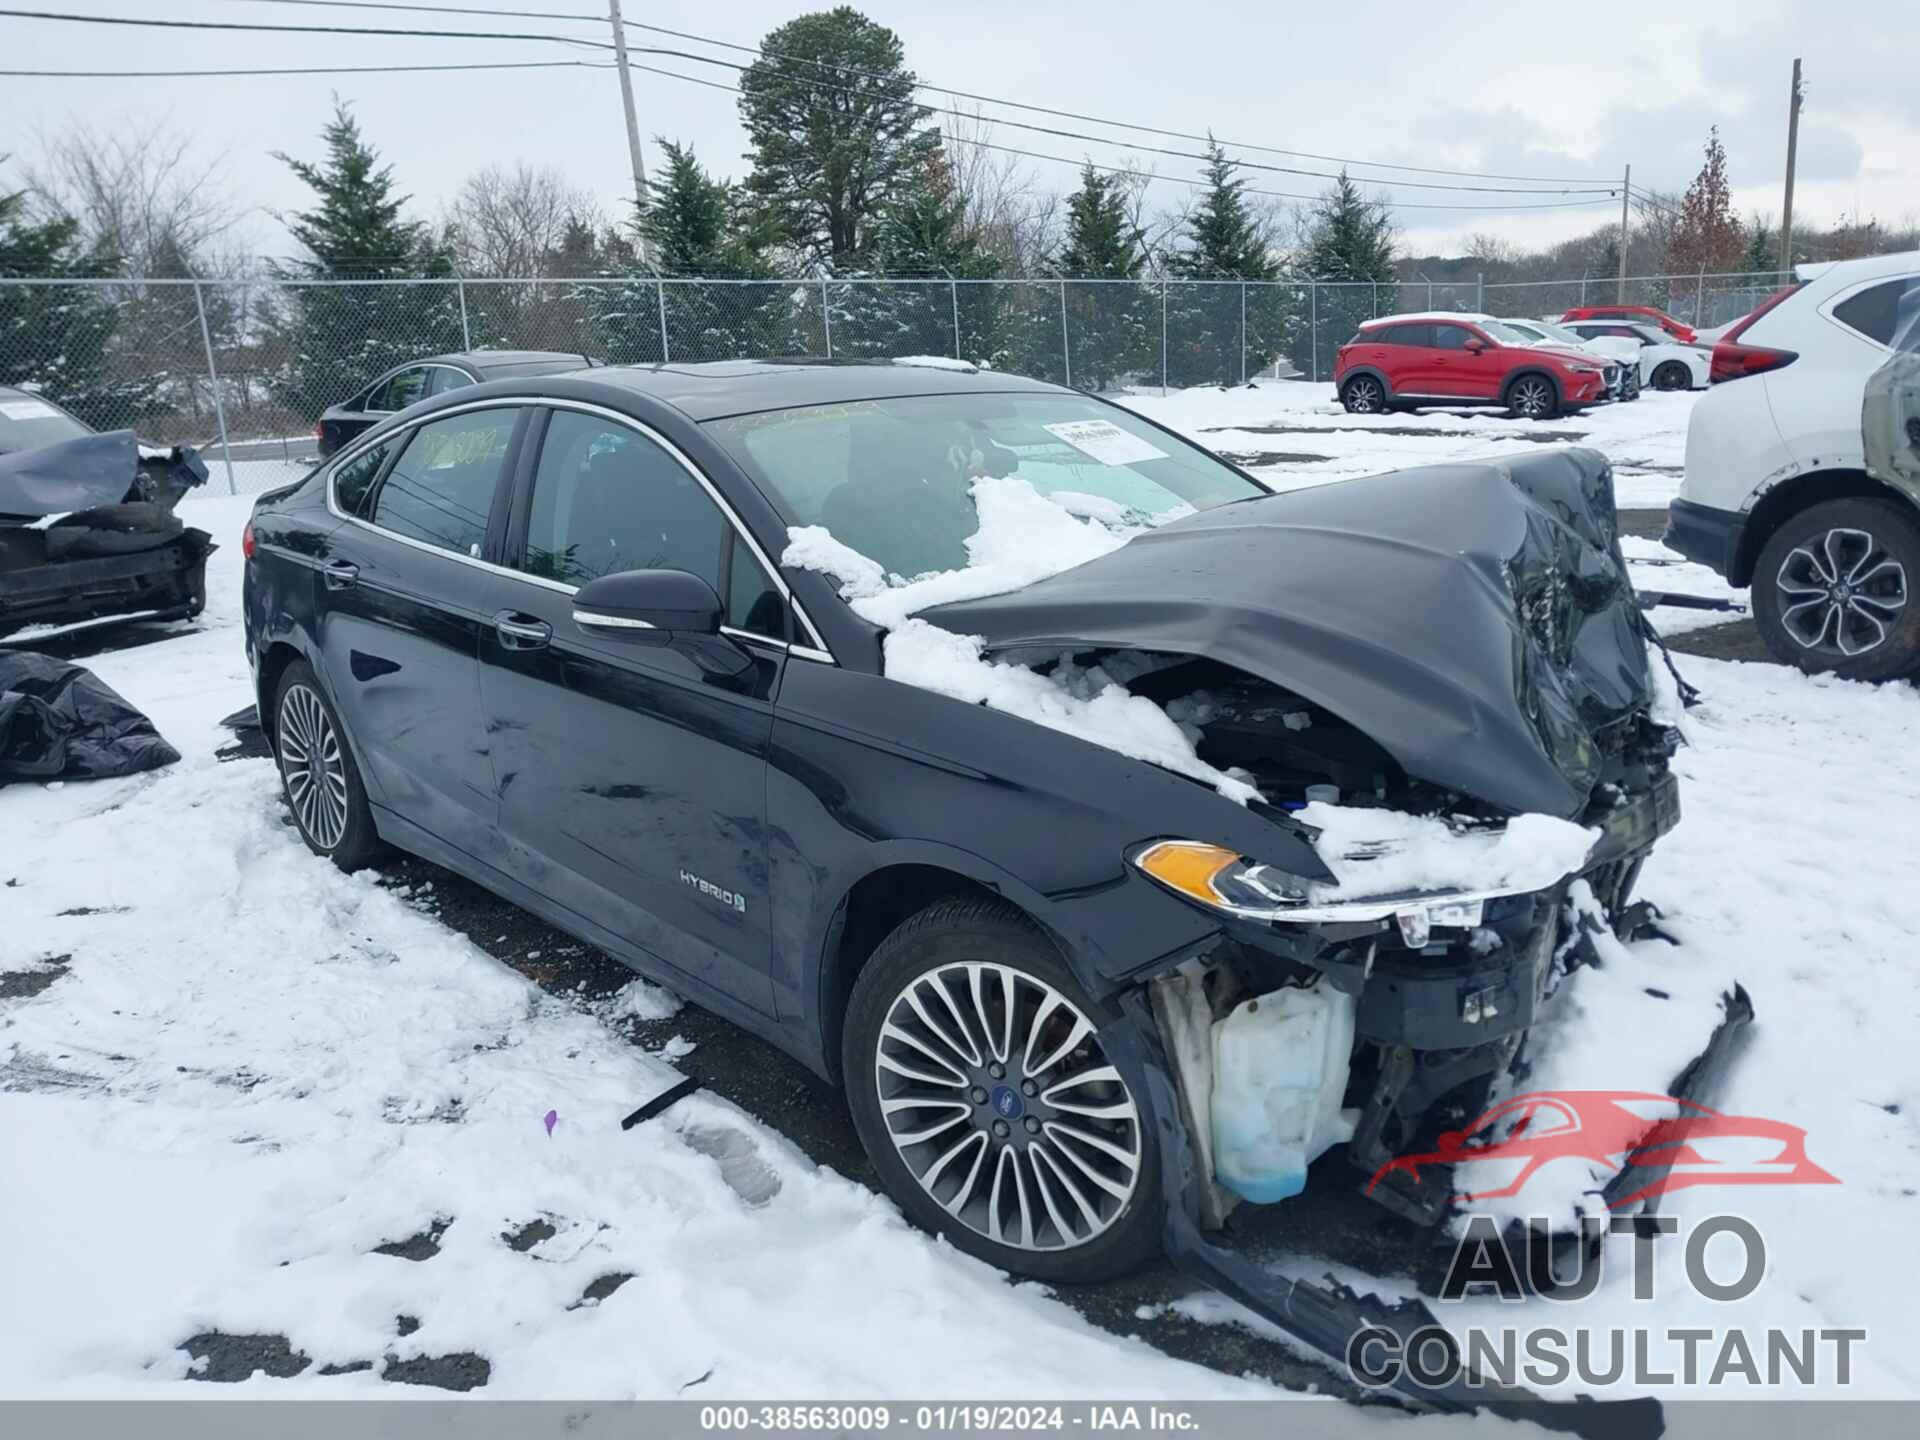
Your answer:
<point x="1231" y="884"/>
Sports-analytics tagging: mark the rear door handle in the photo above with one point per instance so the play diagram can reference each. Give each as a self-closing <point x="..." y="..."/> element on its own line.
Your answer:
<point x="339" y="574"/>
<point x="521" y="632"/>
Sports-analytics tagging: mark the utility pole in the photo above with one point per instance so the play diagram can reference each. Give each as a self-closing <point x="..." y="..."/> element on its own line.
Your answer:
<point x="1793" y="145"/>
<point x="633" y="124"/>
<point x="1626" y="193"/>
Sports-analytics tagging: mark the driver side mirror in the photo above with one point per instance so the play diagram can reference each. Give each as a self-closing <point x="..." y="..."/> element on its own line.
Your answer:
<point x="631" y="603"/>
<point x="1475" y="345"/>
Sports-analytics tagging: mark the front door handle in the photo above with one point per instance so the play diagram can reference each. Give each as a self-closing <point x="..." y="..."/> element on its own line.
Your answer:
<point x="339" y="574"/>
<point x="521" y="632"/>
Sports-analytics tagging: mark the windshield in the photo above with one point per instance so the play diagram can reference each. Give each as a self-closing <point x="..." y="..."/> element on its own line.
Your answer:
<point x="1505" y="334"/>
<point x="1557" y="332"/>
<point x="892" y="479"/>
<point x="27" y="422"/>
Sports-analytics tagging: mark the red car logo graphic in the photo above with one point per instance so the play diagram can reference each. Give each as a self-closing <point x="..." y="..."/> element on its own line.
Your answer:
<point x="1614" y="1130"/>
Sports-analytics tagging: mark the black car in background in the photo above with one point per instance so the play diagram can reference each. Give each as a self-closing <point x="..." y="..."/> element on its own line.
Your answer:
<point x="540" y="632"/>
<point x="436" y="375"/>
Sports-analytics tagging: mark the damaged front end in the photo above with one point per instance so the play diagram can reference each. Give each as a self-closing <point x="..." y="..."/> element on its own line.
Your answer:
<point x="88" y="530"/>
<point x="1440" y="679"/>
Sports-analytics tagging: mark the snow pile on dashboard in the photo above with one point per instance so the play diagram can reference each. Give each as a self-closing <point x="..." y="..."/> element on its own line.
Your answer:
<point x="1082" y="701"/>
<point x="1388" y="852"/>
<point x="1024" y="536"/>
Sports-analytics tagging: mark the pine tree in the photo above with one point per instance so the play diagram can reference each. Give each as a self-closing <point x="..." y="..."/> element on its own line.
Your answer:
<point x="687" y="220"/>
<point x="1707" y="236"/>
<point x="1223" y="242"/>
<point x="58" y="340"/>
<point x="341" y="336"/>
<point x="1352" y="237"/>
<point x="926" y="231"/>
<point x="1101" y="242"/>
<point x="837" y="135"/>
<point x="1758" y="257"/>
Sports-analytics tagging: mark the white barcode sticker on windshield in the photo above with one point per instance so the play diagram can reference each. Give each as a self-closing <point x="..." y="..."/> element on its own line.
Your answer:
<point x="1104" y="441"/>
<point x="27" y="410"/>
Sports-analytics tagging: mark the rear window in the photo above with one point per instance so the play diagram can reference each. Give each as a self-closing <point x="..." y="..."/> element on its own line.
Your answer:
<point x="27" y="422"/>
<point x="1875" y="311"/>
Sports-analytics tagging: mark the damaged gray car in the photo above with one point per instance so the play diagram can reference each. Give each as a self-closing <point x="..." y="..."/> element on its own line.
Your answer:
<point x="87" y="528"/>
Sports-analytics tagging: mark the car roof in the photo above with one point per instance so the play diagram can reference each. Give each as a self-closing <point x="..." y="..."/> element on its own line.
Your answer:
<point x="1868" y="267"/>
<point x="1471" y="316"/>
<point x="489" y="362"/>
<point x="716" y="389"/>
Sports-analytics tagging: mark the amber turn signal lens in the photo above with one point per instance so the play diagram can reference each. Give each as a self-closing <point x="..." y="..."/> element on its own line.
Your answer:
<point x="1187" y="866"/>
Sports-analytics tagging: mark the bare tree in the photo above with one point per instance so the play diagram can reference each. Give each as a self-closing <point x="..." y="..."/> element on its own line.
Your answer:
<point x="143" y="191"/>
<point x="513" y="222"/>
<point x="1015" y="216"/>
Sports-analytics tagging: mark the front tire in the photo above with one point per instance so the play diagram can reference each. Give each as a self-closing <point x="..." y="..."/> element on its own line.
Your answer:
<point x="1364" y="395"/>
<point x="1533" y="397"/>
<point x="981" y="1090"/>
<point x="1832" y="590"/>
<point x="318" y="775"/>
<point x="1672" y="375"/>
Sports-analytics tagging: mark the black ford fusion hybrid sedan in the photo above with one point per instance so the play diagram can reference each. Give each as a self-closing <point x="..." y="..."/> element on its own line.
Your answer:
<point x="539" y="631"/>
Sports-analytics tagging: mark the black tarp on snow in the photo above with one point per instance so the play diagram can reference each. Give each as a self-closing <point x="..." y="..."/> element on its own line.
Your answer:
<point x="62" y="722"/>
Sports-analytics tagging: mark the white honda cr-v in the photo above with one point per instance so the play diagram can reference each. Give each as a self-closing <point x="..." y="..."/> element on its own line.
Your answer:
<point x="1777" y="494"/>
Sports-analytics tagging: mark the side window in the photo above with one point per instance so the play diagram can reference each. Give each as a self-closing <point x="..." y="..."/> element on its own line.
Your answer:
<point x="1450" y="337"/>
<point x="353" y="479"/>
<point x="1875" y="311"/>
<point x="1416" y="335"/>
<point x="441" y="488"/>
<point x="607" y="499"/>
<point x="445" y="378"/>
<point x="406" y="387"/>
<point x="753" y="604"/>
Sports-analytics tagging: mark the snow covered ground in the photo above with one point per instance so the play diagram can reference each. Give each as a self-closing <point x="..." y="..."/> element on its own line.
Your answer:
<point x="229" y="1075"/>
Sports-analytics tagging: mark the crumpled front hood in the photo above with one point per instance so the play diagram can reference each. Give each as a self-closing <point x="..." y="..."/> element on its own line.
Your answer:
<point x="1475" y="620"/>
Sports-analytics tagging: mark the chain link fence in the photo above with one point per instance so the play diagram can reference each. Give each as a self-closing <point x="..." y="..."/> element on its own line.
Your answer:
<point x="243" y="368"/>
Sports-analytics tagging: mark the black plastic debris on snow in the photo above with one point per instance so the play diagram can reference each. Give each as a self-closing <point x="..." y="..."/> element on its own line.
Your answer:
<point x="229" y="1359"/>
<point x="62" y="722"/>
<point x="249" y="741"/>
<point x="677" y="1091"/>
<point x="601" y="1287"/>
<point x="422" y="1246"/>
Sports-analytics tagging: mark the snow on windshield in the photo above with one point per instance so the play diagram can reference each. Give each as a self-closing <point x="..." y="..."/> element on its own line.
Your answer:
<point x="1023" y="537"/>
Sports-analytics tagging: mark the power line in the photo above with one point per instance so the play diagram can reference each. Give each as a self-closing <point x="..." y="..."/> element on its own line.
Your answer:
<point x="1150" y="175"/>
<point x="297" y="29"/>
<point x="846" y="70"/>
<point x="315" y="70"/>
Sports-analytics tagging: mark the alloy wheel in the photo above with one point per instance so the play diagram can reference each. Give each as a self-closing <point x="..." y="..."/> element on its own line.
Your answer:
<point x="1364" y="397"/>
<point x="313" y="766"/>
<point x="1532" y="397"/>
<point x="1840" y="593"/>
<point x="1672" y="376"/>
<point x="1000" y="1100"/>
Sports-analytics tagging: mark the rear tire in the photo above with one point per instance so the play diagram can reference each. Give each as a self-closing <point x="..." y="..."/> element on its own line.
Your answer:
<point x="1833" y="590"/>
<point x="943" y="1024"/>
<point x="1533" y="397"/>
<point x="318" y="775"/>
<point x="1364" y="395"/>
<point x="1672" y="375"/>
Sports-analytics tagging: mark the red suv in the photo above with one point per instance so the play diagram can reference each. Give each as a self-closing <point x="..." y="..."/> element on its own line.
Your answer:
<point x="1462" y="360"/>
<point x="1648" y="313"/>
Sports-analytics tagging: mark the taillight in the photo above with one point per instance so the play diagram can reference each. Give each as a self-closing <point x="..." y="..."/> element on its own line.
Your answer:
<point x="1734" y="361"/>
<point x="246" y="540"/>
<point x="320" y="431"/>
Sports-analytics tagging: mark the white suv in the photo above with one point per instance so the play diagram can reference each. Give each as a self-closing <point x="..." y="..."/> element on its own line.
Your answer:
<point x="1777" y="494"/>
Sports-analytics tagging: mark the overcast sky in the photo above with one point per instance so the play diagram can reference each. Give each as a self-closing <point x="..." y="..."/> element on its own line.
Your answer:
<point x="1534" y="89"/>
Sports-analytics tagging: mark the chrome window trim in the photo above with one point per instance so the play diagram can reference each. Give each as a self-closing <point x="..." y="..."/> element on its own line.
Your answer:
<point x="817" y="650"/>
